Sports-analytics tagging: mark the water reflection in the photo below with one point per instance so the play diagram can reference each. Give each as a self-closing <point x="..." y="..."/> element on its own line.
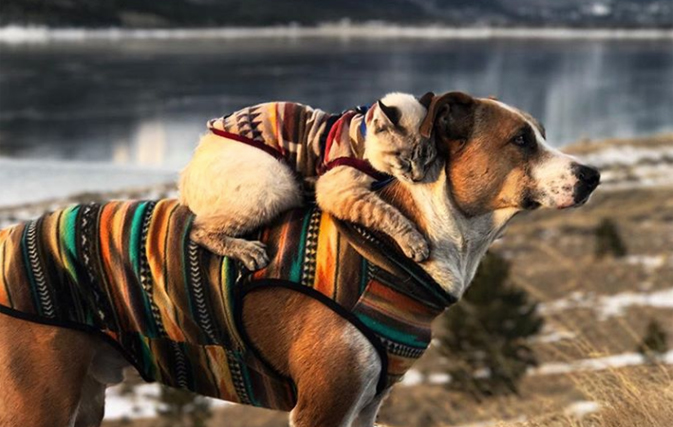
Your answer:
<point x="146" y="102"/>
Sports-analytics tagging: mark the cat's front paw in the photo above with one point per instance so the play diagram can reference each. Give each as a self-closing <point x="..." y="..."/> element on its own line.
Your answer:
<point x="251" y="253"/>
<point x="414" y="245"/>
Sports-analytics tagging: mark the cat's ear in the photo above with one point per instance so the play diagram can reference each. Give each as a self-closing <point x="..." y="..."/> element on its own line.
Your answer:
<point x="385" y="117"/>
<point x="451" y="115"/>
<point x="426" y="99"/>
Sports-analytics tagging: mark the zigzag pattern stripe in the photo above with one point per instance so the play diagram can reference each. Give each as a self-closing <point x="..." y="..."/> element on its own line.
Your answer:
<point x="239" y="382"/>
<point x="146" y="274"/>
<point x="402" y="350"/>
<point x="309" y="265"/>
<point x="199" y="293"/>
<point x="87" y="250"/>
<point x="180" y="366"/>
<point x="46" y="303"/>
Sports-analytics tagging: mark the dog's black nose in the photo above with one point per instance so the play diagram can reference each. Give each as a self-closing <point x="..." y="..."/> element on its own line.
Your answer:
<point x="588" y="176"/>
<point x="588" y="179"/>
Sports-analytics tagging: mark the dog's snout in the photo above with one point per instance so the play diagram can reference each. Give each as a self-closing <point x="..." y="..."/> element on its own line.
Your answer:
<point x="588" y="179"/>
<point x="589" y="176"/>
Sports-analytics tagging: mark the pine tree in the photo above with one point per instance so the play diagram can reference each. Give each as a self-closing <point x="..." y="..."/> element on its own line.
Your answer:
<point x="484" y="337"/>
<point x="182" y="408"/>
<point x="608" y="240"/>
<point x="654" y="343"/>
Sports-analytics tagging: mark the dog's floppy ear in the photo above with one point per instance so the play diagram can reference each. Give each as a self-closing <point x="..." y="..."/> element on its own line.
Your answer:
<point x="451" y="113"/>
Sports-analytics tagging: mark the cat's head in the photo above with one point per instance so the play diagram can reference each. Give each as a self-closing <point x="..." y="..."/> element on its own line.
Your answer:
<point x="393" y="143"/>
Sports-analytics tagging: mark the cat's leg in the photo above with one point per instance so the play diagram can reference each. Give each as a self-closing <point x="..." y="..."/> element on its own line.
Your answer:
<point x="215" y="233"/>
<point x="233" y="189"/>
<point x="345" y="193"/>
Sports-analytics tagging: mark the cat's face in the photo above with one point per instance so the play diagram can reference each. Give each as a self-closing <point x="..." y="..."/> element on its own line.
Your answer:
<point x="394" y="144"/>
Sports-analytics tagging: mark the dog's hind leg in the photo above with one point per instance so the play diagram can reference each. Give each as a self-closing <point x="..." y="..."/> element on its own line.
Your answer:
<point x="92" y="403"/>
<point x="107" y="368"/>
<point x="42" y="372"/>
<point x="367" y="416"/>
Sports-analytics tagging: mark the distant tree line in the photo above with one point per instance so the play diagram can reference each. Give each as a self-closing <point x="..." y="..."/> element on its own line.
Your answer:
<point x="246" y="13"/>
<point x="195" y="13"/>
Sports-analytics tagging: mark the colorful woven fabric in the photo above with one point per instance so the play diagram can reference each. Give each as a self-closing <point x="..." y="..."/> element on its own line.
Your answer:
<point x="128" y="271"/>
<point x="310" y="140"/>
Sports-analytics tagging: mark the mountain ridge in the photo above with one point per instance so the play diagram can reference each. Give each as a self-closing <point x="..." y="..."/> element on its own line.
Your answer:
<point x="246" y="13"/>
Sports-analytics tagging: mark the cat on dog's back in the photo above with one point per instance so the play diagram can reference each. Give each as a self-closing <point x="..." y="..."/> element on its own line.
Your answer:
<point x="245" y="170"/>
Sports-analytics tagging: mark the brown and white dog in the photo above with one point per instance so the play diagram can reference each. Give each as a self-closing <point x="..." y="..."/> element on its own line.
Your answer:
<point x="493" y="163"/>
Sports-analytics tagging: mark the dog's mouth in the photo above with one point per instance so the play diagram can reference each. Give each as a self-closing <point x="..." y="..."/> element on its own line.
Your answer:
<point x="576" y="203"/>
<point x="529" y="203"/>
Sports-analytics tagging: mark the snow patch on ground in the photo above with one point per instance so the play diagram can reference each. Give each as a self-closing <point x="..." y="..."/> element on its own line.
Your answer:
<point x="610" y="305"/>
<point x="582" y="408"/>
<point x="412" y="377"/>
<point x="141" y="402"/>
<point x="649" y="262"/>
<point x="551" y="336"/>
<point x="596" y="364"/>
<point x="628" y="155"/>
<point x="631" y="166"/>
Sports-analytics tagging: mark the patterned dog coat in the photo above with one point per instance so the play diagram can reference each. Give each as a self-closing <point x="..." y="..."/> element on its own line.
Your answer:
<point x="128" y="272"/>
<point x="309" y="140"/>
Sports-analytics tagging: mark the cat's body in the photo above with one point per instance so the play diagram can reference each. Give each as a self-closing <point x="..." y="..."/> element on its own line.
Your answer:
<point x="233" y="186"/>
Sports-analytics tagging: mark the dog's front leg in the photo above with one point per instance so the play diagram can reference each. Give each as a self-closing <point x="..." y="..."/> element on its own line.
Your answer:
<point x="335" y="368"/>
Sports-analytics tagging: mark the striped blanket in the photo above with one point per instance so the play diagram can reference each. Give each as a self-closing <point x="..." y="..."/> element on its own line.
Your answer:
<point x="310" y="140"/>
<point x="128" y="272"/>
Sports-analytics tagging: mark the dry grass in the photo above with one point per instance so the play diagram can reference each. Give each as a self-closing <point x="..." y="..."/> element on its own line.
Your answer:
<point x="641" y="397"/>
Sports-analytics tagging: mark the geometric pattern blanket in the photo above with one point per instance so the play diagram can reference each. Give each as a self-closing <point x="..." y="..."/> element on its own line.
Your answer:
<point x="309" y="140"/>
<point x="128" y="272"/>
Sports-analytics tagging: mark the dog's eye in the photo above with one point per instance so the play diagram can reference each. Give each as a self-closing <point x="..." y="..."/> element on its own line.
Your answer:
<point x="519" y="141"/>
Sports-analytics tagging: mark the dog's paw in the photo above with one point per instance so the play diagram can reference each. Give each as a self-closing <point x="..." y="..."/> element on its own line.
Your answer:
<point x="252" y="254"/>
<point x="414" y="245"/>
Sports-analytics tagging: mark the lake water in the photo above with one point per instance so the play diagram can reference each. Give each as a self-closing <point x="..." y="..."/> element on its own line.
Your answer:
<point x="144" y="102"/>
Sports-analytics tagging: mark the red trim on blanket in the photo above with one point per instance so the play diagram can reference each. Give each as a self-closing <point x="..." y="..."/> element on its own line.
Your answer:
<point x="362" y="165"/>
<point x="269" y="150"/>
<point x="359" y="164"/>
<point x="336" y="130"/>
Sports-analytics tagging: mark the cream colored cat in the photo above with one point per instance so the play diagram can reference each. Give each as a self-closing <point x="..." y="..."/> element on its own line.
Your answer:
<point x="255" y="163"/>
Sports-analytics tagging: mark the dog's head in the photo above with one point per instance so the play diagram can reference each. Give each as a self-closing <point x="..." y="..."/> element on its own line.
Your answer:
<point x="497" y="157"/>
